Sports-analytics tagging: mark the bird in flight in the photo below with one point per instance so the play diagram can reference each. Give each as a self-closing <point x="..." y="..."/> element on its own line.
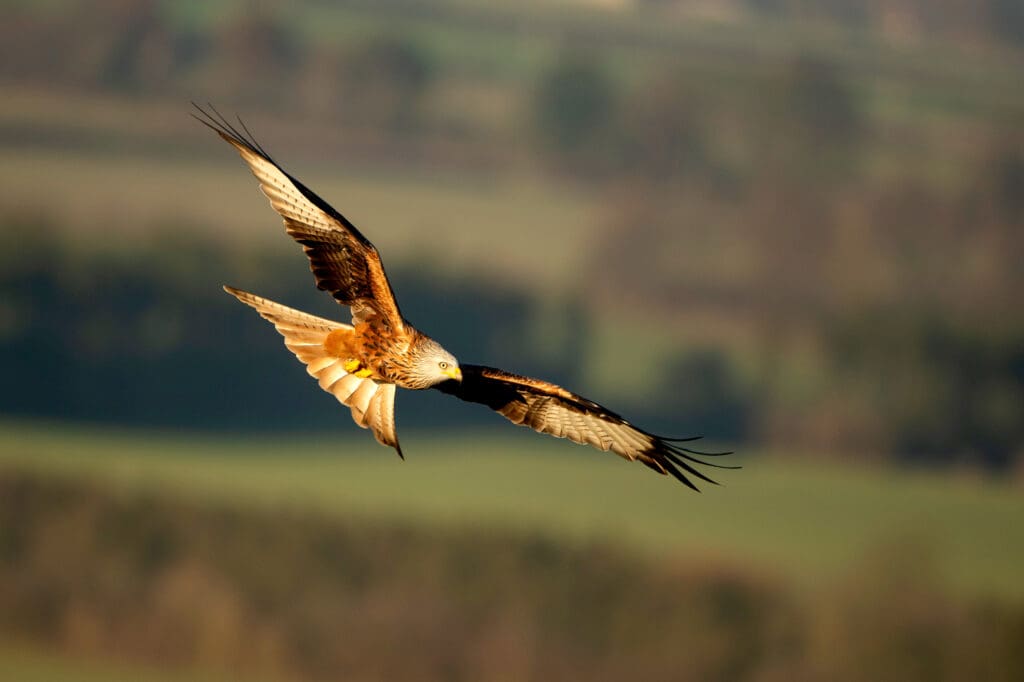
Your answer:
<point x="362" y="363"/>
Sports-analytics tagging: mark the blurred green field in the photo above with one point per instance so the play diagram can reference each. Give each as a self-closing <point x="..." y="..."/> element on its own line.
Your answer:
<point x="33" y="663"/>
<point x="810" y="524"/>
<point x="452" y="220"/>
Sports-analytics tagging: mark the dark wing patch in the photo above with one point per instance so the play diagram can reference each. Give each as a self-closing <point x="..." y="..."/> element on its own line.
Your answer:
<point x="342" y="260"/>
<point x="547" y="408"/>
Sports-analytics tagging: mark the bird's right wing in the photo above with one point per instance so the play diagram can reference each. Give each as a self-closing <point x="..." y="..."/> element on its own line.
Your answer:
<point x="372" y="402"/>
<point x="551" y="409"/>
<point x="343" y="261"/>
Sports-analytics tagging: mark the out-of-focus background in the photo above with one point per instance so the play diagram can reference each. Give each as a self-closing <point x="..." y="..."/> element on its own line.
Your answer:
<point x="794" y="227"/>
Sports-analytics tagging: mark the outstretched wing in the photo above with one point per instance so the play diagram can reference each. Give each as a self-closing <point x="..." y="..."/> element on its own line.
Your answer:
<point x="551" y="409"/>
<point x="343" y="261"/>
<point x="372" y="403"/>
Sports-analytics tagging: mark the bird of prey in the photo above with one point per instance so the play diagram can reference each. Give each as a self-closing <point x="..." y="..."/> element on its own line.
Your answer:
<point x="362" y="363"/>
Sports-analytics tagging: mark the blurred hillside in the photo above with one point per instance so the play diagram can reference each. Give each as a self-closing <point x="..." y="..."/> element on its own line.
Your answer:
<point x="283" y="558"/>
<point x="790" y="223"/>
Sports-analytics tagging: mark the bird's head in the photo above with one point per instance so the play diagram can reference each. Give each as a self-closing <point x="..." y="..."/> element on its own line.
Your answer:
<point x="433" y="365"/>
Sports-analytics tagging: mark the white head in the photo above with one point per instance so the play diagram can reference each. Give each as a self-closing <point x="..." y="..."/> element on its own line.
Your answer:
<point x="431" y="365"/>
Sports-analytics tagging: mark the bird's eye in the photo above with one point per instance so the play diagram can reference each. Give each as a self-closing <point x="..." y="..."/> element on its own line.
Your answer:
<point x="442" y="365"/>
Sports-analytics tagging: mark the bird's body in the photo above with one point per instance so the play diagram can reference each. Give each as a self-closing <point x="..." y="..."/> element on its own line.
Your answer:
<point x="362" y="364"/>
<point x="389" y="358"/>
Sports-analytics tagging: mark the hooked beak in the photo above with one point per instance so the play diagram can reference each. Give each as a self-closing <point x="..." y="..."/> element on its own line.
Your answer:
<point x="454" y="373"/>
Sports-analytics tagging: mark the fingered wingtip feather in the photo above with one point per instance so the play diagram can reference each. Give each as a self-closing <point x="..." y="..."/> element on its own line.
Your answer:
<point x="679" y="455"/>
<point x="712" y="464"/>
<point x="679" y="476"/>
<point x="216" y="121"/>
<point x="689" y="439"/>
<point x="701" y="453"/>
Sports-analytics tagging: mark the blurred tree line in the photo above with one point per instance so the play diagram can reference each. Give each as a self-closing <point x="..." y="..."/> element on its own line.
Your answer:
<point x="910" y="19"/>
<point x="261" y="53"/>
<point x="297" y="596"/>
<point x="145" y="336"/>
<point x="252" y="58"/>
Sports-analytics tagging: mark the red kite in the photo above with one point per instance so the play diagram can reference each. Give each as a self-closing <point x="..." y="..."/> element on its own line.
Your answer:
<point x="362" y="363"/>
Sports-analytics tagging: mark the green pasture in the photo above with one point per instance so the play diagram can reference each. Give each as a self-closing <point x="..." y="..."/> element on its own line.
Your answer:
<point x="812" y="524"/>
<point x="453" y="223"/>
<point x="512" y="40"/>
<point x="34" y="663"/>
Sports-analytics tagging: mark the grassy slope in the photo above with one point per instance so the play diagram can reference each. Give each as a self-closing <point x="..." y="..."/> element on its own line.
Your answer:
<point x="107" y="185"/>
<point x="32" y="663"/>
<point x="814" y="524"/>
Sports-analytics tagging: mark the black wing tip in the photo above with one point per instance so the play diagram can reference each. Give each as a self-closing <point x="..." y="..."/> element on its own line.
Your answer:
<point x="217" y="122"/>
<point x="688" y="439"/>
<point x="679" y="461"/>
<point x="681" y="455"/>
<point x="681" y="477"/>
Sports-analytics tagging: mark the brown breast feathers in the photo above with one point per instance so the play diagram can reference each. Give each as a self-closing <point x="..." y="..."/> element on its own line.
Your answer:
<point x="369" y="353"/>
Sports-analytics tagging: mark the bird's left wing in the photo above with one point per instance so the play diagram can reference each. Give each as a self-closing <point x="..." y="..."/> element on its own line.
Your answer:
<point x="372" y="402"/>
<point x="343" y="261"/>
<point x="548" y="408"/>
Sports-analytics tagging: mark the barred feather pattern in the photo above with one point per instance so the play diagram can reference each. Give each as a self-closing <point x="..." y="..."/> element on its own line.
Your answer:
<point x="371" y="401"/>
<point x="343" y="261"/>
<point x="551" y="409"/>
